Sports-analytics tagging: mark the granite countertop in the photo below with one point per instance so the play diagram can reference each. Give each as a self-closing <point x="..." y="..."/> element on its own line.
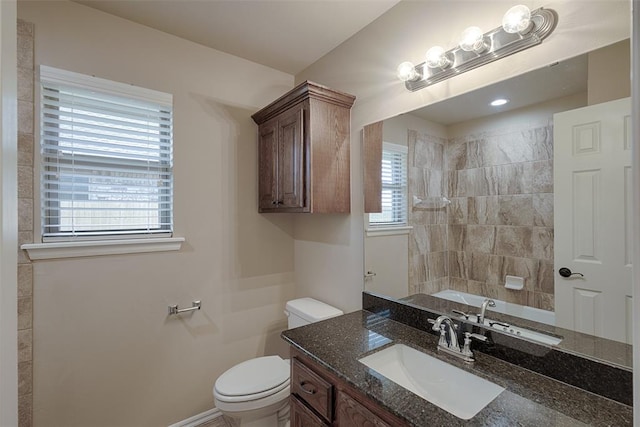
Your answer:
<point x="530" y="399"/>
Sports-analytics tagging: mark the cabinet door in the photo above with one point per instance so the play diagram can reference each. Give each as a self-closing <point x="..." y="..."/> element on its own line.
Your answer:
<point x="268" y="165"/>
<point x="350" y="413"/>
<point x="301" y="416"/>
<point x="290" y="159"/>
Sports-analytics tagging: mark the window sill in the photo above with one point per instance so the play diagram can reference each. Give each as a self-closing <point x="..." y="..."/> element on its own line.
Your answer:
<point x="388" y="231"/>
<point x="77" y="249"/>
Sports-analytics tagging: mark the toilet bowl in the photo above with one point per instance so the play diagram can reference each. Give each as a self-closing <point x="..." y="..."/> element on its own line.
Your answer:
<point x="256" y="392"/>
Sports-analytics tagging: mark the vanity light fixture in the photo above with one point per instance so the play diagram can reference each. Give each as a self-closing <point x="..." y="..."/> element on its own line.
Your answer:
<point x="520" y="30"/>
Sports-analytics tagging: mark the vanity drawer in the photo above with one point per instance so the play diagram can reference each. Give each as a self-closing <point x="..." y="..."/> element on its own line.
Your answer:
<point x="312" y="389"/>
<point x="301" y="416"/>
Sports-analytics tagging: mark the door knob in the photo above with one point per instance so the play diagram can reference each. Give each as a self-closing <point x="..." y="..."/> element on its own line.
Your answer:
<point x="565" y="272"/>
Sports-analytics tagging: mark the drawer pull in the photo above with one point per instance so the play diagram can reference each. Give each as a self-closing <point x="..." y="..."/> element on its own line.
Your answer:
<point x="308" y="387"/>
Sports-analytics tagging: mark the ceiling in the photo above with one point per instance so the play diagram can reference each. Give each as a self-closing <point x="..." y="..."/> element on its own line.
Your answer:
<point x="288" y="35"/>
<point x="554" y="81"/>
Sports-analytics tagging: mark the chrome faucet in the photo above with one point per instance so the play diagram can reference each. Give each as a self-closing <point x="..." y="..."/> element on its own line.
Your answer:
<point x="449" y="339"/>
<point x="483" y="308"/>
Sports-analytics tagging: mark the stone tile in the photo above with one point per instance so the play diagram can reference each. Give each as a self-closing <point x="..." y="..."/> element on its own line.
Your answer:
<point x="416" y="181"/>
<point x="458" y="265"/>
<point x="25" y="182"/>
<point x="25" y="378"/>
<point x="459" y="186"/>
<point x="434" y="183"/>
<point x="25" y="84"/>
<point x="25" y="52"/>
<point x="428" y="216"/>
<point x="25" y="117"/>
<point x="515" y="210"/>
<point x="542" y="143"/>
<point x="24" y="28"/>
<point x="436" y="265"/>
<point x="483" y="210"/>
<point x="513" y="241"/>
<point x="25" y="149"/>
<point x="412" y="137"/>
<point x="481" y="238"/>
<point x="542" y="243"/>
<point x="543" y="210"/>
<point x="515" y="297"/>
<point x="419" y="243"/>
<point x="542" y="181"/>
<point x="542" y="300"/>
<point x="458" y="210"/>
<point x="25" y="214"/>
<point x="527" y="268"/>
<point x="452" y="184"/>
<point x="24" y="237"/>
<point x="25" y="280"/>
<point x="483" y="289"/>
<point x="457" y="237"/>
<point x="458" y="284"/>
<point x="514" y="178"/>
<point x="481" y="153"/>
<point x="417" y="268"/>
<point x="513" y="147"/>
<point x="456" y="155"/>
<point x="482" y="182"/>
<point x="25" y="410"/>
<point x="428" y="155"/>
<point x="546" y="277"/>
<point x="494" y="270"/>
<point x="25" y="313"/>
<point x="436" y="238"/>
<point x="477" y="269"/>
<point x="25" y="345"/>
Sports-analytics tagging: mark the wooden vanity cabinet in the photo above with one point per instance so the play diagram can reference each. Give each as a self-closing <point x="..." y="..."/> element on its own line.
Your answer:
<point x="319" y="398"/>
<point x="303" y="151"/>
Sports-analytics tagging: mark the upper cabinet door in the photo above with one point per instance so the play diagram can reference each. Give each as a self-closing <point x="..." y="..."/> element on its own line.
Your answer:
<point x="290" y="159"/>
<point x="267" y="165"/>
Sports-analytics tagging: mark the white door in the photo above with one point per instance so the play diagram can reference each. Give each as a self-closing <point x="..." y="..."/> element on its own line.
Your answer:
<point x="592" y="226"/>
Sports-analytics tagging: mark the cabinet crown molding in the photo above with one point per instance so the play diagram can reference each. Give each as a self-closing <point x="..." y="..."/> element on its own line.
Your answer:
<point x="305" y="90"/>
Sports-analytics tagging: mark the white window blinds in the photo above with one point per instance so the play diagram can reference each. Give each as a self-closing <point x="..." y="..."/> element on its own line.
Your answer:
<point x="394" y="187"/>
<point x="106" y="158"/>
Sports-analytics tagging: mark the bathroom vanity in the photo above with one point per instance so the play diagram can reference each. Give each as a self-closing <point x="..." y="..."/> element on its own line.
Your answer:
<point x="331" y="386"/>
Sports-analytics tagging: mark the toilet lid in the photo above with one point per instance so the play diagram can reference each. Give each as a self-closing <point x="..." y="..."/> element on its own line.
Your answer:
<point x="253" y="376"/>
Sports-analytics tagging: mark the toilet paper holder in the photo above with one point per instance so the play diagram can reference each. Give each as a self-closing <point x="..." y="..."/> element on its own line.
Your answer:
<point x="173" y="309"/>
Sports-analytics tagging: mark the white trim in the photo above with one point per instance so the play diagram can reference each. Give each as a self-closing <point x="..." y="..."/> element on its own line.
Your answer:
<point x="635" y="166"/>
<point x="53" y="250"/>
<point x="57" y="75"/>
<point x="198" y="420"/>
<point x="388" y="231"/>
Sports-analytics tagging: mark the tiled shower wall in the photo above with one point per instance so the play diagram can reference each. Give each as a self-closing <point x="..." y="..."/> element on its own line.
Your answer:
<point x="25" y="221"/>
<point x="500" y="221"/>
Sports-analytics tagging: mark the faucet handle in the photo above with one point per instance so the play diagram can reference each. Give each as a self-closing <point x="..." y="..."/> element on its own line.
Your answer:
<point x="461" y="313"/>
<point x="469" y="335"/>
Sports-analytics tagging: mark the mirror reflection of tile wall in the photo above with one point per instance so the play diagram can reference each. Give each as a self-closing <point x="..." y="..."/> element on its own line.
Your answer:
<point x="500" y="221"/>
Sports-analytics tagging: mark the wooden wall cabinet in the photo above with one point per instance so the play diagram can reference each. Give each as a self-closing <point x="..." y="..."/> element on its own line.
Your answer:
<point x="319" y="398"/>
<point x="304" y="152"/>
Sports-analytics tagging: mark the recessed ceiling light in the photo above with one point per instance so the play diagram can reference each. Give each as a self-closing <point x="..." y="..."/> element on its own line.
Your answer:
<point x="498" y="102"/>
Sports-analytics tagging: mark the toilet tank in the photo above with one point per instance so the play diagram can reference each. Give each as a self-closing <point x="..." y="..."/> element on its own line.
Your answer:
<point x="303" y="311"/>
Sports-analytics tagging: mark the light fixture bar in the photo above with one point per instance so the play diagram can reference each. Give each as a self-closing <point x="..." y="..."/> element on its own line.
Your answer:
<point x="501" y="44"/>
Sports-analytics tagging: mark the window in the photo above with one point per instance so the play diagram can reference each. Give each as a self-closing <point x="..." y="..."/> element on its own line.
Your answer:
<point x="106" y="159"/>
<point x="394" y="187"/>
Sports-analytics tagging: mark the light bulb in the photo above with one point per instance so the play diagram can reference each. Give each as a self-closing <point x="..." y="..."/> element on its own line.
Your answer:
<point x="472" y="40"/>
<point x="407" y="72"/>
<point x="437" y="58"/>
<point x="498" y="102"/>
<point x="517" y="20"/>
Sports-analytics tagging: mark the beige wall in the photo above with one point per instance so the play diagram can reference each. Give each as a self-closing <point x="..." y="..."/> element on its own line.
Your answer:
<point x="105" y="352"/>
<point x="609" y="75"/>
<point x="365" y="66"/>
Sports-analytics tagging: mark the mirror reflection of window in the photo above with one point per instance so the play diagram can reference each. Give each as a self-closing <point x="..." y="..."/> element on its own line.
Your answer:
<point x="394" y="187"/>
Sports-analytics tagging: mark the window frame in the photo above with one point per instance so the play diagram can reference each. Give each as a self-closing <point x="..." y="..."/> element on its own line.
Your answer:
<point x="393" y="227"/>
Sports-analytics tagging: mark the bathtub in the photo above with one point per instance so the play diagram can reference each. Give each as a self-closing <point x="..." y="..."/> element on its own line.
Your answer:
<point x="530" y="313"/>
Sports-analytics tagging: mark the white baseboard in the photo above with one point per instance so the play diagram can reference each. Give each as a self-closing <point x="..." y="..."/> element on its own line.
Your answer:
<point x="199" y="419"/>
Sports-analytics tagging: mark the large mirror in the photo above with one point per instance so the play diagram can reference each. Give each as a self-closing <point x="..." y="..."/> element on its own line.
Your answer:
<point x="497" y="199"/>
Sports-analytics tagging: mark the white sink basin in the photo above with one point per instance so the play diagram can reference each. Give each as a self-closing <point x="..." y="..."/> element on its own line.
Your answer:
<point x="456" y="391"/>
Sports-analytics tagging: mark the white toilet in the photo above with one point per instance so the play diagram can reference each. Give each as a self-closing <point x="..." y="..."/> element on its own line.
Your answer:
<point x="256" y="392"/>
